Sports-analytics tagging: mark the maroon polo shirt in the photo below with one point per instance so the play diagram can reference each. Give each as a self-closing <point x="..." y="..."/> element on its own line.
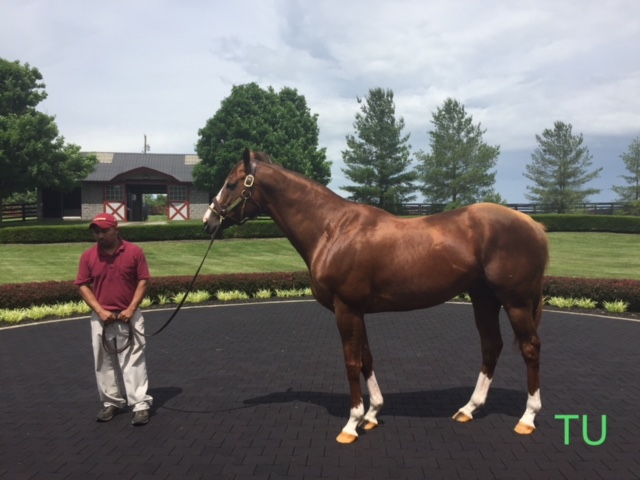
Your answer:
<point x="113" y="278"/>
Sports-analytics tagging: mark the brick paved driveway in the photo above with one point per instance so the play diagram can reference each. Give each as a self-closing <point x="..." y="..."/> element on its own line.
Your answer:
<point x="260" y="391"/>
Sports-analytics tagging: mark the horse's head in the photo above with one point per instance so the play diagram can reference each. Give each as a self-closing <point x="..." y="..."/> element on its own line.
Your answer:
<point x="235" y="203"/>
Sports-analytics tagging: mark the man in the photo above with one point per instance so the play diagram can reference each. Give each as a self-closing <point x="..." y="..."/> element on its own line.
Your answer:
<point x="113" y="280"/>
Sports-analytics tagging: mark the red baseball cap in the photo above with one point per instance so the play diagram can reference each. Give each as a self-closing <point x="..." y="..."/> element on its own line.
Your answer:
<point x="104" y="220"/>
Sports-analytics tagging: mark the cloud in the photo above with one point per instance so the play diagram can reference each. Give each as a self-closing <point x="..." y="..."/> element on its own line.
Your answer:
<point x="117" y="70"/>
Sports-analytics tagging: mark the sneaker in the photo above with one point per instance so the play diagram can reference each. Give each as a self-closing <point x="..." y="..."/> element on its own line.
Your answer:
<point x="107" y="413"/>
<point x="141" y="417"/>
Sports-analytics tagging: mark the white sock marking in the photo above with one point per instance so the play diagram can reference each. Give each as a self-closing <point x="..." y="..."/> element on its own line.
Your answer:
<point x="534" y="404"/>
<point x="375" y="399"/>
<point x="354" y="419"/>
<point x="479" y="396"/>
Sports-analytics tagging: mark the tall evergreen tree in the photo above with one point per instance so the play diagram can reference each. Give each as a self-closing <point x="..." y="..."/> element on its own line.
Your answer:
<point x="559" y="170"/>
<point x="631" y="159"/>
<point x="377" y="157"/>
<point x="457" y="172"/>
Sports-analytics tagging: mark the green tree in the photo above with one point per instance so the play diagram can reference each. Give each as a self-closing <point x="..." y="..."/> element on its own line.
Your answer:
<point x="457" y="172"/>
<point x="280" y="124"/>
<point x="156" y="203"/>
<point x="32" y="153"/>
<point x="28" y="196"/>
<point x="559" y="170"/>
<point x="378" y="155"/>
<point x="631" y="159"/>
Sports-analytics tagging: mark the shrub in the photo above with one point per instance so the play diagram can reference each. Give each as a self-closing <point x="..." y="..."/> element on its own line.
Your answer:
<point x="598" y="290"/>
<point x="198" y="296"/>
<point x="617" y="306"/>
<point x="293" y="293"/>
<point x="265" y="293"/>
<point x="586" y="303"/>
<point x="561" y="302"/>
<point x="232" y="295"/>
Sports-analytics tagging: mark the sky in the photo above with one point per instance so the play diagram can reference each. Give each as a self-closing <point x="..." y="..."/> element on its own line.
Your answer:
<point x="120" y="69"/>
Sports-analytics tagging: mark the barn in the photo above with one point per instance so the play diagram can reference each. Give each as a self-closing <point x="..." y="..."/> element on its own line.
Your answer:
<point x="121" y="180"/>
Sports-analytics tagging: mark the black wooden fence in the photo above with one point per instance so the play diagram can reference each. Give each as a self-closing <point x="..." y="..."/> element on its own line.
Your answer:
<point x="598" y="208"/>
<point x="29" y="211"/>
<point x="21" y="212"/>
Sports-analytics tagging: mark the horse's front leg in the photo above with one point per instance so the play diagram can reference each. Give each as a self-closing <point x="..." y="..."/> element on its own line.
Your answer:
<point x="375" y="395"/>
<point x="357" y="359"/>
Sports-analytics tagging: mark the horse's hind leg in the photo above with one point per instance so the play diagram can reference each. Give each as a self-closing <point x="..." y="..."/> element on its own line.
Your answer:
<point x="486" y="309"/>
<point x="524" y="321"/>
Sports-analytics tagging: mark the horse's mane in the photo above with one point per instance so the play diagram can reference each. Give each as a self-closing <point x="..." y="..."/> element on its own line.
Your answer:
<point x="313" y="183"/>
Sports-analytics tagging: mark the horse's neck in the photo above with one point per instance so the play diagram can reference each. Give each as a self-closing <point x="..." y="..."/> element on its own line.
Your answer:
<point x="300" y="207"/>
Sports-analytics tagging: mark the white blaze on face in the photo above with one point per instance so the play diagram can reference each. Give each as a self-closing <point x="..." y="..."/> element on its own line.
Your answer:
<point x="219" y="196"/>
<point x="209" y="210"/>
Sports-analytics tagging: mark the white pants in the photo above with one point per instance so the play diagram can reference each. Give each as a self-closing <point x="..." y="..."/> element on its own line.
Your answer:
<point x="131" y="363"/>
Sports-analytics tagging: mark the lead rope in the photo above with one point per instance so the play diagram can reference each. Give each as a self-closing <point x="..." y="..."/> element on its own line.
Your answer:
<point x="132" y="330"/>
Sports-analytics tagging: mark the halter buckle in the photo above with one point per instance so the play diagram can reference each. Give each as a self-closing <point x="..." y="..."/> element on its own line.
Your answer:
<point x="249" y="181"/>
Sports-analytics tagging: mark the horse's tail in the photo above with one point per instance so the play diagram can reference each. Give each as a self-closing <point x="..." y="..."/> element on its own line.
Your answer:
<point x="537" y="309"/>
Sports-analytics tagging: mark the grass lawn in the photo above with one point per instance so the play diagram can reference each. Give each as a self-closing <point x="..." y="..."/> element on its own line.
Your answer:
<point x="36" y="263"/>
<point x="595" y="255"/>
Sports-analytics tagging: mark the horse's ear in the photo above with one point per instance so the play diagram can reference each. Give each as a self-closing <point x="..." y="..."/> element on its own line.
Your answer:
<point x="247" y="156"/>
<point x="263" y="157"/>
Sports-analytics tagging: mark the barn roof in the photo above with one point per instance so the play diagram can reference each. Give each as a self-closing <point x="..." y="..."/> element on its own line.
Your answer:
<point x="110" y="165"/>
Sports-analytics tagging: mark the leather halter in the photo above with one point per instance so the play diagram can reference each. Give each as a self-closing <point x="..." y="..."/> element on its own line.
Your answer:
<point x="245" y="195"/>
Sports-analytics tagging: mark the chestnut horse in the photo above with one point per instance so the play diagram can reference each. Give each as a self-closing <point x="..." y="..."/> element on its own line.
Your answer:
<point x="364" y="260"/>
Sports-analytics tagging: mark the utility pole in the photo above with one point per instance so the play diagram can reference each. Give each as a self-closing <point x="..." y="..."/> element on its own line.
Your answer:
<point x="147" y="147"/>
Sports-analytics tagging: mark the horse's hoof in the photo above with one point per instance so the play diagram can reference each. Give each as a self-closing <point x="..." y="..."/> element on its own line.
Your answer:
<point x="462" y="417"/>
<point x="524" y="429"/>
<point x="346" y="438"/>
<point x="369" y="425"/>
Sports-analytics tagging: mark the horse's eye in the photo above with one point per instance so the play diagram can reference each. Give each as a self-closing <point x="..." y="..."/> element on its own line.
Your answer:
<point x="231" y="186"/>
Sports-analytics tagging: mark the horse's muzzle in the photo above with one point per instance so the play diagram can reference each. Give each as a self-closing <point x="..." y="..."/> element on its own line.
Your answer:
<point x="211" y="224"/>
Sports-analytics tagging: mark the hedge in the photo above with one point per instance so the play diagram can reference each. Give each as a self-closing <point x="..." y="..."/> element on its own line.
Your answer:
<point x="23" y="295"/>
<point x="49" y="293"/>
<point x="599" y="290"/>
<point x="136" y="232"/>
<point x="266" y="228"/>
<point x="589" y="223"/>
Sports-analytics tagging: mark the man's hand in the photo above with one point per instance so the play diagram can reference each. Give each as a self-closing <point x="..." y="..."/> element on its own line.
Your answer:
<point x="126" y="315"/>
<point x="107" y="317"/>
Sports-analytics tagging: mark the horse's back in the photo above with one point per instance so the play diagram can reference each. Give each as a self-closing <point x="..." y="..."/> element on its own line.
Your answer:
<point x="385" y="262"/>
